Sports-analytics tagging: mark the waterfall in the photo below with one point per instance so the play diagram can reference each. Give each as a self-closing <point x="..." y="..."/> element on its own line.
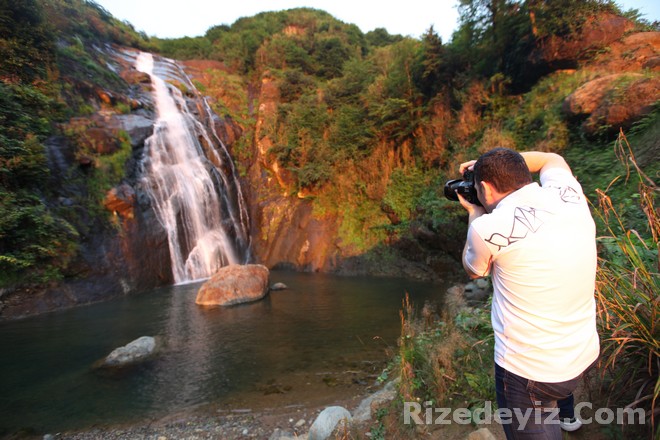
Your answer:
<point x="196" y="198"/>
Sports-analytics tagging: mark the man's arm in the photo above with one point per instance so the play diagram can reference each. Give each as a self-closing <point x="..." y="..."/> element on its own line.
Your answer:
<point x="474" y="212"/>
<point x="538" y="161"/>
<point x="468" y="271"/>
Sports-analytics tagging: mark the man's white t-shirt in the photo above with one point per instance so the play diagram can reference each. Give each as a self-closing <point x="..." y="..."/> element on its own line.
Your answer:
<point x="539" y="246"/>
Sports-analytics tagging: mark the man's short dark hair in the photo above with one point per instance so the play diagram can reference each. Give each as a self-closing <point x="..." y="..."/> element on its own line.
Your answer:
<point x="504" y="168"/>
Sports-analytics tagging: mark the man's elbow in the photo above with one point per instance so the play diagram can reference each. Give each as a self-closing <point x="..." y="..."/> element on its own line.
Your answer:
<point x="470" y="273"/>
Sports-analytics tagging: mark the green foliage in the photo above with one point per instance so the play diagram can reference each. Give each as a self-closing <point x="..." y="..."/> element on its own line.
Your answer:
<point x="108" y="171"/>
<point x="26" y="42"/>
<point x="304" y="38"/>
<point x="566" y="17"/>
<point x="330" y="54"/>
<point x="35" y="245"/>
<point x="404" y="190"/>
<point x="81" y="64"/>
<point x="301" y="146"/>
<point x="185" y="48"/>
<point x="358" y="229"/>
<point x="432" y="74"/>
<point x="379" y="37"/>
<point x="538" y="122"/>
<point x="378" y="430"/>
<point x="350" y="132"/>
<point x="356" y="77"/>
<point x="392" y="96"/>
<point x="498" y="36"/>
<point x="442" y="360"/>
<point x="86" y="20"/>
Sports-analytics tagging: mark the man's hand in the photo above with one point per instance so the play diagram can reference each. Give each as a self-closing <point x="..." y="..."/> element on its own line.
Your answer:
<point x="466" y="166"/>
<point x="474" y="211"/>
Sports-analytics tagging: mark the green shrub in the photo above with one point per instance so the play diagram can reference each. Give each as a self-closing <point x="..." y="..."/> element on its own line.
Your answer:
<point x="35" y="244"/>
<point x="404" y="190"/>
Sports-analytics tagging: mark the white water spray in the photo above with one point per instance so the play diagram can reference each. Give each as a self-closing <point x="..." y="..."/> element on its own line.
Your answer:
<point x="189" y="195"/>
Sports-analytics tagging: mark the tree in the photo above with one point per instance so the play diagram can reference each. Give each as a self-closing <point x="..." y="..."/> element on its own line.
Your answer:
<point x="430" y="77"/>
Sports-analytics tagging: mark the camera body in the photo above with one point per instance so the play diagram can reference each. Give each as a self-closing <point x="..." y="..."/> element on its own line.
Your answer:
<point x="464" y="187"/>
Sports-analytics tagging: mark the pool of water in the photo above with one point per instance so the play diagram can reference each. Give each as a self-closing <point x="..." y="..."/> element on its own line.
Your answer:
<point x="290" y="346"/>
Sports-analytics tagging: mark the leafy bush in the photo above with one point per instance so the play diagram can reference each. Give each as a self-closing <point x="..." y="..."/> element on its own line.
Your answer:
<point x="35" y="245"/>
<point x="404" y="190"/>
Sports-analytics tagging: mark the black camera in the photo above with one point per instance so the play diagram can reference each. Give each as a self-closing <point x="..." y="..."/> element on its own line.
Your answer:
<point x="464" y="187"/>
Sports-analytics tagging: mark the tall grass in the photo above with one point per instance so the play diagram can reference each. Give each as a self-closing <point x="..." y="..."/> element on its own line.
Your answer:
<point x="628" y="296"/>
<point x="446" y="359"/>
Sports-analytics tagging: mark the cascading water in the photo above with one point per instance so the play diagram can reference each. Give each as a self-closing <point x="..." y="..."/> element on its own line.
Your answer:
<point x="200" y="205"/>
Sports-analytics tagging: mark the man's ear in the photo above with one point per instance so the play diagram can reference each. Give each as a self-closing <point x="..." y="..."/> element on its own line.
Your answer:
<point x="488" y="192"/>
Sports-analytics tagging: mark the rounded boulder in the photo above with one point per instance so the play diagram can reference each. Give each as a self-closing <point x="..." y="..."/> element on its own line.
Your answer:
<point x="234" y="284"/>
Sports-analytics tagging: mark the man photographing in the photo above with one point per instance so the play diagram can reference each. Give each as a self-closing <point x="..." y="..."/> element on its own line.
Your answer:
<point x="538" y="244"/>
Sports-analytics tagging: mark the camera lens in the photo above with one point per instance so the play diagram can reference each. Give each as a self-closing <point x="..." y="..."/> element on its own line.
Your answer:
<point x="450" y="189"/>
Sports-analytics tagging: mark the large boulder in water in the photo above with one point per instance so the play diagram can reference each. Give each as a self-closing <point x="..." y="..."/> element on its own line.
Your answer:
<point x="234" y="284"/>
<point x="132" y="353"/>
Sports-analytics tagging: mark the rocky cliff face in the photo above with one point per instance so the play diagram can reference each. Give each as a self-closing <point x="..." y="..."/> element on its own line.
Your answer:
<point x="286" y="231"/>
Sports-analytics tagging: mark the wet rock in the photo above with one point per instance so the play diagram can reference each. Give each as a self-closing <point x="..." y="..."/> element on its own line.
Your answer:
<point x="106" y="97"/>
<point x="134" y="352"/>
<point x="278" y="286"/>
<point x="234" y="284"/>
<point x="121" y="200"/>
<point x="138" y="127"/>
<point x="100" y="140"/>
<point x="132" y="76"/>
<point x="331" y="418"/>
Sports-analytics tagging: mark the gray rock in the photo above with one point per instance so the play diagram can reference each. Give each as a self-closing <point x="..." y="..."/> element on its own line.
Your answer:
<point x="138" y="128"/>
<point x="474" y="293"/>
<point x="363" y="412"/>
<point x="481" y="283"/>
<point x="131" y="353"/>
<point x="279" y="434"/>
<point x="481" y="434"/>
<point x="279" y="286"/>
<point x="326" y="423"/>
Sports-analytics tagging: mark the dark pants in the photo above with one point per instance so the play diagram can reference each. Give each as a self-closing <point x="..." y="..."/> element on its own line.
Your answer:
<point x="536" y="407"/>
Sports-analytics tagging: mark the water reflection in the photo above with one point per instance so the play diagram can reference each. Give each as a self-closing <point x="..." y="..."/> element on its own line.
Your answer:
<point x="294" y="339"/>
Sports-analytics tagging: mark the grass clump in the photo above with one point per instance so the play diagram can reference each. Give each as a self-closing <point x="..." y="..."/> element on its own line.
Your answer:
<point x="444" y="360"/>
<point x="628" y="295"/>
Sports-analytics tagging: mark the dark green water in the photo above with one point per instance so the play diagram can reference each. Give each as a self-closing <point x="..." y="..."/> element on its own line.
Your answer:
<point x="209" y="356"/>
